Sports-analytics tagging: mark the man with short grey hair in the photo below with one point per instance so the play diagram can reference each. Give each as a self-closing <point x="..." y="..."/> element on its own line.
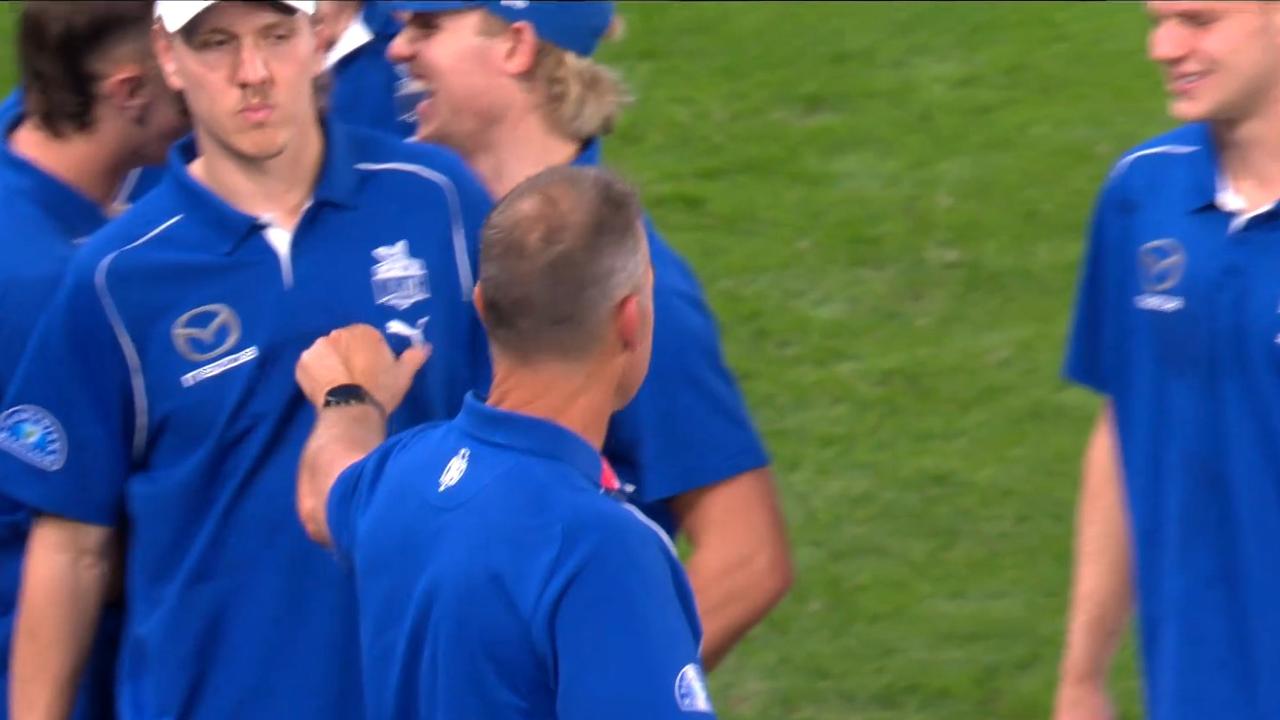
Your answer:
<point x="498" y="570"/>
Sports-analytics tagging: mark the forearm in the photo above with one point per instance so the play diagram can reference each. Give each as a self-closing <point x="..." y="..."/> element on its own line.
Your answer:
<point x="341" y="436"/>
<point x="1101" y="595"/>
<point x="740" y="565"/>
<point x="733" y="595"/>
<point x="60" y="600"/>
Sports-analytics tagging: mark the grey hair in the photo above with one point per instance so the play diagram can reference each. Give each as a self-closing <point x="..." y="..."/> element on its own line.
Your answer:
<point x="557" y="255"/>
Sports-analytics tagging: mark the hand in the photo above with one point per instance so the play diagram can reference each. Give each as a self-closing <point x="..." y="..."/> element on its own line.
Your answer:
<point x="1082" y="701"/>
<point x="358" y="354"/>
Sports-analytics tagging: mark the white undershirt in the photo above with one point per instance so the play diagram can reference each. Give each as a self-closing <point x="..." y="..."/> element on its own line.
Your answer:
<point x="353" y="38"/>
<point x="280" y="240"/>
<point x="1228" y="200"/>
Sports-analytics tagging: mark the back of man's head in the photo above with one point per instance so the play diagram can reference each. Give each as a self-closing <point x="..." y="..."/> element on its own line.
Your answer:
<point x="63" y="52"/>
<point x="558" y="254"/>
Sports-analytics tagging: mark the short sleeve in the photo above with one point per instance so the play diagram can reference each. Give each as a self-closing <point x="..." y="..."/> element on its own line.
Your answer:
<point x="688" y="426"/>
<point x="70" y="429"/>
<point x="352" y="492"/>
<point x="625" y="644"/>
<point x="1096" y="335"/>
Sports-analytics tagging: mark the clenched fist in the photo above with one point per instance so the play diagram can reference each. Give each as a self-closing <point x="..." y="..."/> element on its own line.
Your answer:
<point x="358" y="354"/>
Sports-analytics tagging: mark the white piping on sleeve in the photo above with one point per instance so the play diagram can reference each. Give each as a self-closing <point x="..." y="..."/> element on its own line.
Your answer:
<point x="1127" y="160"/>
<point x="126" y="343"/>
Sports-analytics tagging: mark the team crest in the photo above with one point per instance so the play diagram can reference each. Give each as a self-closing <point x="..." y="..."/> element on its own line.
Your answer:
<point x="399" y="279"/>
<point x="35" y="436"/>
<point x="454" y="471"/>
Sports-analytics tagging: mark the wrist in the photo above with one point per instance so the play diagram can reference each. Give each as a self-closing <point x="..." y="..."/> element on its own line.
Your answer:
<point x="346" y="395"/>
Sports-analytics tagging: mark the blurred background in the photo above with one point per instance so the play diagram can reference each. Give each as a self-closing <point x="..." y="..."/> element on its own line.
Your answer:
<point x="885" y="202"/>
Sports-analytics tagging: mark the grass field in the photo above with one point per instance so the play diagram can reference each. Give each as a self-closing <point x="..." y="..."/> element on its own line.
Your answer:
<point x="885" y="203"/>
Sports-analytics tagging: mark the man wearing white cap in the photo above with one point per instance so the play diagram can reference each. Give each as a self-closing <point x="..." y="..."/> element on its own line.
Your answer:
<point x="156" y="406"/>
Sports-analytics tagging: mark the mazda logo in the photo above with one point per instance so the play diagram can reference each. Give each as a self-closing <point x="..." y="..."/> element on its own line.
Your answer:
<point x="206" y="332"/>
<point x="1162" y="263"/>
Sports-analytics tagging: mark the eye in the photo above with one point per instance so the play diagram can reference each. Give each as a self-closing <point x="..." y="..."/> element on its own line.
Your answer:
<point x="425" y="23"/>
<point x="280" y="34"/>
<point x="1199" y="20"/>
<point x="212" y="42"/>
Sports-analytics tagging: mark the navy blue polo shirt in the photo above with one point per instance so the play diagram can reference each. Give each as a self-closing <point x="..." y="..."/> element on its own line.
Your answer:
<point x="44" y="221"/>
<point x="1178" y="323"/>
<point x="158" y="396"/>
<point x="137" y="183"/>
<point x="497" y="580"/>
<point x="369" y="90"/>
<point x="688" y="426"/>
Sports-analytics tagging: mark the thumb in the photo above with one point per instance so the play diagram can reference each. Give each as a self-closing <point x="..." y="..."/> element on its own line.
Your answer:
<point x="410" y="362"/>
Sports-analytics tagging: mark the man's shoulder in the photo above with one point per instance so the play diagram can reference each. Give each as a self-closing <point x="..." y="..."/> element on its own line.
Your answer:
<point x="371" y="148"/>
<point x="1161" y="153"/>
<point x="596" y="523"/>
<point x="149" y="219"/>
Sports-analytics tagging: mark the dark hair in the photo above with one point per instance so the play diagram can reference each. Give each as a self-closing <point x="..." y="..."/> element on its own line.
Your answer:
<point x="557" y="253"/>
<point x="58" y="45"/>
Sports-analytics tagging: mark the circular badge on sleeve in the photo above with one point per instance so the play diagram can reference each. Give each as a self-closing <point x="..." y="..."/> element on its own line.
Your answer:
<point x="33" y="435"/>
<point x="691" y="690"/>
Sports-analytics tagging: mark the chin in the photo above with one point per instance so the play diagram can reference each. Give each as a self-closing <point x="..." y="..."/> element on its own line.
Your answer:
<point x="1189" y="110"/>
<point x="262" y="148"/>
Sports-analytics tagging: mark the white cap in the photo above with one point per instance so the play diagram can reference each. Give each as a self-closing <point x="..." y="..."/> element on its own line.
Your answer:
<point x="175" y="14"/>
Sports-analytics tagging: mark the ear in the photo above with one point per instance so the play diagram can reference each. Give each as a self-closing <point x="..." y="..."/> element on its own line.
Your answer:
<point x="521" y="49"/>
<point x="162" y="43"/>
<point x="477" y="299"/>
<point x="126" y="89"/>
<point x="628" y="322"/>
<point x="321" y="52"/>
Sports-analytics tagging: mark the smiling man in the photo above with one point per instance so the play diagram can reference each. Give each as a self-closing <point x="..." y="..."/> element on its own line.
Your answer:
<point x="156" y="407"/>
<point x="1177" y="327"/>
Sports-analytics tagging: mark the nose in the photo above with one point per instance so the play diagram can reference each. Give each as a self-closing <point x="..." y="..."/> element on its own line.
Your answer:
<point x="1167" y="42"/>
<point x="399" y="50"/>
<point x="251" y="68"/>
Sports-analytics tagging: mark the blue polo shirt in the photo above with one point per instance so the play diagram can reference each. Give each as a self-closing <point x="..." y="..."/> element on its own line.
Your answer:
<point x="368" y="90"/>
<point x="158" y="396"/>
<point x="688" y="426"/>
<point x="44" y="221"/>
<point x="137" y="183"/>
<point x="1178" y="323"/>
<point x="496" y="580"/>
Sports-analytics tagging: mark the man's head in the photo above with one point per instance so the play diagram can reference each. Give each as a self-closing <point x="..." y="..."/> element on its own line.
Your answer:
<point x="87" y="67"/>
<point x="246" y="69"/>
<point x="485" y="62"/>
<point x="1221" y="60"/>
<point x="565" y="276"/>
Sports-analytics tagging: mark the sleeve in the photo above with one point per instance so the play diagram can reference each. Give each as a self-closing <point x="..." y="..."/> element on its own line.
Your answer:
<point x="1096" y="334"/>
<point x="352" y="492"/>
<point x="70" y="424"/>
<point x="688" y="426"/>
<point x="625" y="644"/>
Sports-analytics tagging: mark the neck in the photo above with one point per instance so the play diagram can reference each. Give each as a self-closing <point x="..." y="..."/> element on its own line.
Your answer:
<point x="568" y="395"/>
<point x="78" y="160"/>
<point x="343" y="14"/>
<point x="1250" y="150"/>
<point x="280" y="187"/>
<point x="520" y="149"/>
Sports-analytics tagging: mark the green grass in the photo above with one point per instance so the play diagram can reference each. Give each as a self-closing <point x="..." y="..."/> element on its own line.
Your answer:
<point x="885" y="203"/>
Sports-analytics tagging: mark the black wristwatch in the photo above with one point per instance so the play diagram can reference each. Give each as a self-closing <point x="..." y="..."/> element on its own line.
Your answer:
<point x="351" y="394"/>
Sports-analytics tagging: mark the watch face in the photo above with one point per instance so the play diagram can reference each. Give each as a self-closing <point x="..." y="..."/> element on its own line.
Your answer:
<point x="349" y="394"/>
